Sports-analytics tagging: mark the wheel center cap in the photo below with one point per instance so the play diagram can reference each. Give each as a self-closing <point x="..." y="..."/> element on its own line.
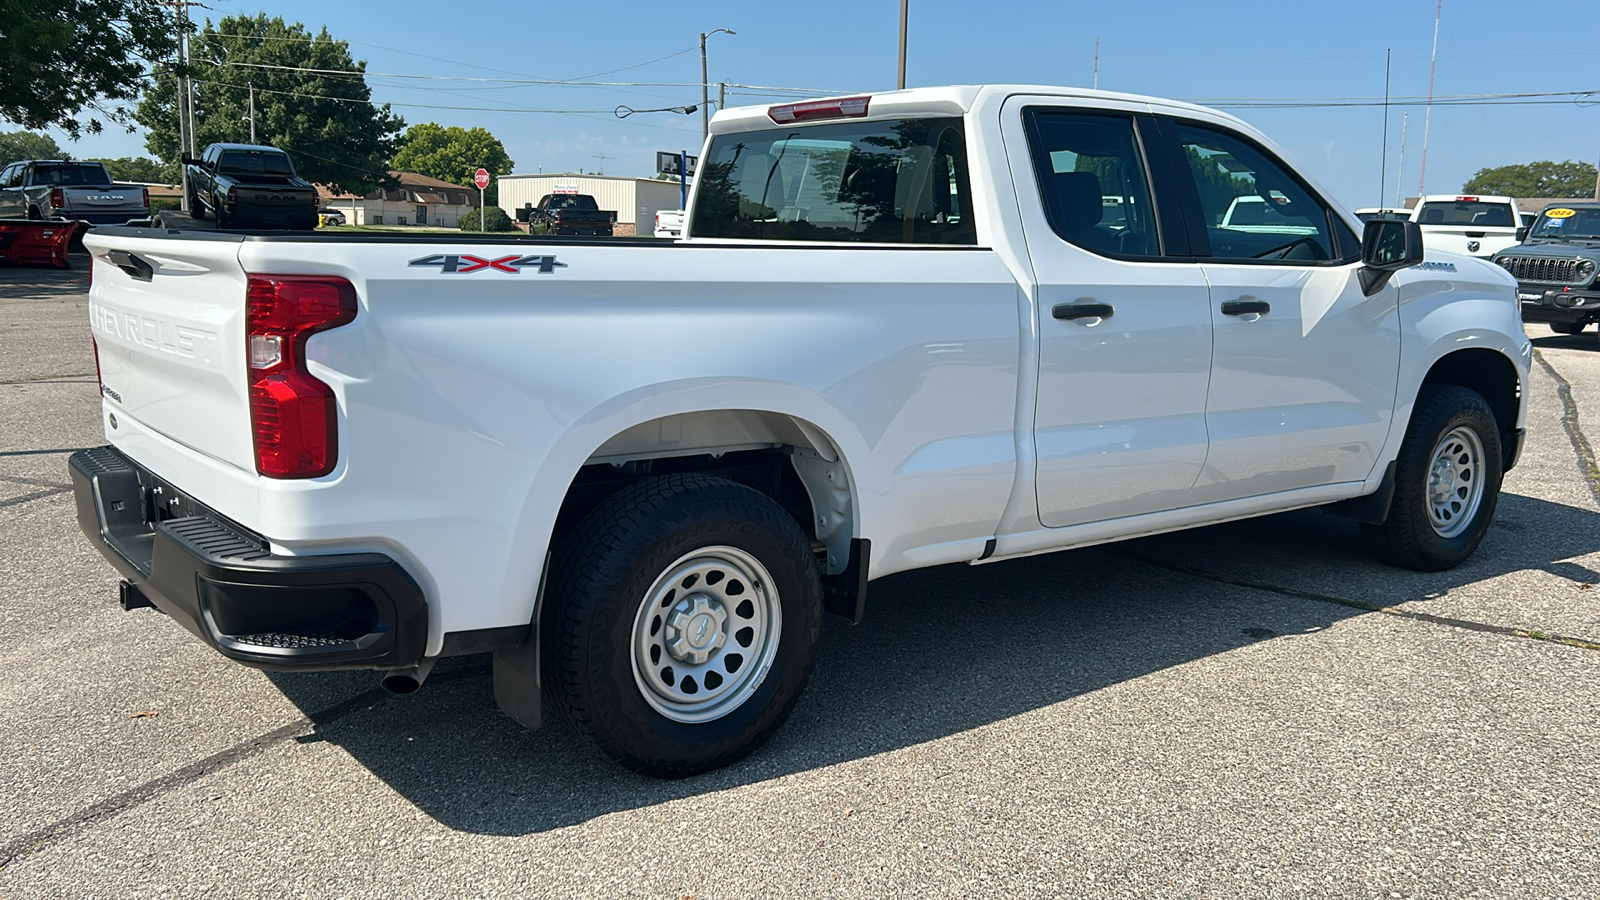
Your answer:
<point x="1443" y="482"/>
<point x="694" y="628"/>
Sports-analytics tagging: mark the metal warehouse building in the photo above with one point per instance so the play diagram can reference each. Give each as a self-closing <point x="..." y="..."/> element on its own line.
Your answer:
<point x="635" y="200"/>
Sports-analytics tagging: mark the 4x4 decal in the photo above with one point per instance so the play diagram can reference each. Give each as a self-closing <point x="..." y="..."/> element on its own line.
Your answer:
<point x="460" y="264"/>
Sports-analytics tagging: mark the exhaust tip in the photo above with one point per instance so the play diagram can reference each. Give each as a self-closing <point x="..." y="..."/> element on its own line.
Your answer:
<point x="396" y="683"/>
<point x="408" y="680"/>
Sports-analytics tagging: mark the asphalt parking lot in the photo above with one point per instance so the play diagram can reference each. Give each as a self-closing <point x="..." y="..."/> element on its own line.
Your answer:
<point x="1251" y="710"/>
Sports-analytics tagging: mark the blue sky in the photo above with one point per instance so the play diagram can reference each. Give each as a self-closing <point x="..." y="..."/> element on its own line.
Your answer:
<point x="1203" y="51"/>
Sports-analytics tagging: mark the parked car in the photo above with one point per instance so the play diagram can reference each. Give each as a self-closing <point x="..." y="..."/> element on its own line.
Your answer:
<point x="1556" y="267"/>
<point x="568" y="213"/>
<point x="669" y="223"/>
<point x="333" y="217"/>
<point x="244" y="185"/>
<point x="68" y="189"/>
<point x="897" y="334"/>
<point x="1478" y="226"/>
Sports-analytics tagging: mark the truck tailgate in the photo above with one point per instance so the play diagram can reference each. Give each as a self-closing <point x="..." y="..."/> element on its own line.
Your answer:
<point x="168" y="322"/>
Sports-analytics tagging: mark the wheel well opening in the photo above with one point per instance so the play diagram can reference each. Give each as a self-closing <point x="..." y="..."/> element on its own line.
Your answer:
<point x="1492" y="376"/>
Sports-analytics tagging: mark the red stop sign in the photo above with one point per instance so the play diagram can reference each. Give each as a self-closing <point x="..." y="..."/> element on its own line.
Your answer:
<point x="481" y="178"/>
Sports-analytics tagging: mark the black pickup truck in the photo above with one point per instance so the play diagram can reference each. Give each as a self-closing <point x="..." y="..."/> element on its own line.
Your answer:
<point x="248" y="184"/>
<point x="568" y="214"/>
<point x="1558" y="267"/>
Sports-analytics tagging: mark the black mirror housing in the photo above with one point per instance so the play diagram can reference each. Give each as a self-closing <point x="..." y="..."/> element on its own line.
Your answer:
<point x="1387" y="246"/>
<point x="1522" y="234"/>
<point x="188" y="160"/>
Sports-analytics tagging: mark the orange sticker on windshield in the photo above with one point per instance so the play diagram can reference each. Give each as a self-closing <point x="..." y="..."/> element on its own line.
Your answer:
<point x="1562" y="213"/>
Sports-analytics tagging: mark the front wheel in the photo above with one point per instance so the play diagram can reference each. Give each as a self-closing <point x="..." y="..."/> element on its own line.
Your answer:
<point x="1447" y="482"/>
<point x="681" y="623"/>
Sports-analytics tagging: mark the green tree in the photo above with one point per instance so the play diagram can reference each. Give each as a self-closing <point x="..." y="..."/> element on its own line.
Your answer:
<point x="311" y="100"/>
<point x="495" y="217"/>
<point x="15" y="145"/>
<point x="1536" y="179"/>
<point x="62" y="57"/>
<point x="452" y="154"/>
<point x="139" y="168"/>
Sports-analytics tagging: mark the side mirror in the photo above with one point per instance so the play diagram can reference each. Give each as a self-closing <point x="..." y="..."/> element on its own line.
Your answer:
<point x="1522" y="235"/>
<point x="188" y="160"/>
<point x="1387" y="246"/>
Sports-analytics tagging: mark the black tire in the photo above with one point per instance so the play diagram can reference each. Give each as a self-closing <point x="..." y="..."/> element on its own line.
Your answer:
<point x="1568" y="327"/>
<point x="197" y="209"/>
<point x="34" y="214"/>
<point x="1410" y="538"/>
<point x="220" y="213"/>
<point x="609" y="569"/>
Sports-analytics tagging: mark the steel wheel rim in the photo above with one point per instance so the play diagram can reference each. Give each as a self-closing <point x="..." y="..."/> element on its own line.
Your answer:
<point x="1455" y="482"/>
<point x="705" y="634"/>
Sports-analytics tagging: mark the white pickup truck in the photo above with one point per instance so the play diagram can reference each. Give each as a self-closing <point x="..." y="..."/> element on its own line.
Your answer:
<point x="898" y="334"/>
<point x="1474" y="225"/>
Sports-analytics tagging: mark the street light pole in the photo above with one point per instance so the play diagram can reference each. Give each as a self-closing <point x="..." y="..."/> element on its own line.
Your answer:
<point x="905" y="6"/>
<point x="705" y="84"/>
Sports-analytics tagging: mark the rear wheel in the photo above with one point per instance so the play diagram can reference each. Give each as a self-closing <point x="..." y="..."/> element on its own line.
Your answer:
<point x="1568" y="327"/>
<point x="196" y="208"/>
<point x="681" y="623"/>
<point x="1447" y="482"/>
<point x="221" y="213"/>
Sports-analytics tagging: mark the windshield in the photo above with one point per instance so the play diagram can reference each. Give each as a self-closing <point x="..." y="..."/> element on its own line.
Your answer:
<point x="1567" y="222"/>
<point x="1468" y="212"/>
<point x="70" y="174"/>
<point x="570" y="201"/>
<point x="886" y="182"/>
<point x="254" y="162"/>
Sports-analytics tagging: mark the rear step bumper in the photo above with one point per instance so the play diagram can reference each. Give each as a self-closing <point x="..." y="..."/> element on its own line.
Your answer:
<point x="220" y="581"/>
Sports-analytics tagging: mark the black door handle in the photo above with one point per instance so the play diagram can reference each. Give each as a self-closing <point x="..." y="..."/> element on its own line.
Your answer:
<point x="1083" y="311"/>
<point x="1241" y="307"/>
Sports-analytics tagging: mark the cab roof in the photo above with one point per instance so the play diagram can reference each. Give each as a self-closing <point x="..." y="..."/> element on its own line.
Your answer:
<point x="953" y="100"/>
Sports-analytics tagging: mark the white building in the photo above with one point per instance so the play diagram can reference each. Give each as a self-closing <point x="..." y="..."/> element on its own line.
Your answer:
<point x="419" y="200"/>
<point x="635" y="200"/>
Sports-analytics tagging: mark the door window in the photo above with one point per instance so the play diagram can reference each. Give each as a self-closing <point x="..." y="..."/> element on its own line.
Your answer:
<point x="6" y="179"/>
<point x="1092" y="180"/>
<point x="1252" y="208"/>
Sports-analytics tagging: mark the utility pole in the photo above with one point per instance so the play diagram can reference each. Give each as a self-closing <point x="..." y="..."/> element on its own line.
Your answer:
<point x="705" y="86"/>
<point x="1383" y="166"/>
<point x="905" y="6"/>
<point x="1399" y="176"/>
<point x="252" y="113"/>
<point x="1097" y="64"/>
<point x="1427" y="116"/>
<point x="722" y="95"/>
<point x="183" y="102"/>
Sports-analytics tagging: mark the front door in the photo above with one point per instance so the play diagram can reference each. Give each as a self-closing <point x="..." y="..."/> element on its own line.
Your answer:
<point x="1124" y="331"/>
<point x="422" y="215"/>
<point x="1305" y="365"/>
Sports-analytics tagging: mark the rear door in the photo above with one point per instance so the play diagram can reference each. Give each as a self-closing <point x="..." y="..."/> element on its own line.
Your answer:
<point x="168" y="321"/>
<point x="1125" y="323"/>
<point x="1305" y="364"/>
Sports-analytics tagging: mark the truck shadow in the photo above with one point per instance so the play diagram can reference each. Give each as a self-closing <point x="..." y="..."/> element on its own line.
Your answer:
<point x="942" y="651"/>
<point x="1583" y="341"/>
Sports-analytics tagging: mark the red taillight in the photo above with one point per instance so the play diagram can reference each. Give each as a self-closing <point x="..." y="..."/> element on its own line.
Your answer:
<point x="1466" y="199"/>
<point x="292" y="413"/>
<point x="146" y="193"/>
<point x="848" y="108"/>
<point x="58" y="198"/>
<point x="233" y="197"/>
<point x="316" y="201"/>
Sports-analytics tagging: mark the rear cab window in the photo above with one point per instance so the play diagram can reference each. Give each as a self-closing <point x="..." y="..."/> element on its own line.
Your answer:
<point x="70" y="174"/>
<point x="1467" y="211"/>
<point x="902" y="181"/>
<point x="254" y="162"/>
